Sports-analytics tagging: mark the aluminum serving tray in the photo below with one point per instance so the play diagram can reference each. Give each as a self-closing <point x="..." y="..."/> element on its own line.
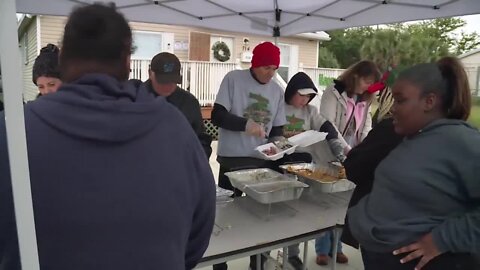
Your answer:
<point x="266" y="186"/>
<point x="274" y="192"/>
<point x="223" y="195"/>
<point x="242" y="178"/>
<point x="317" y="185"/>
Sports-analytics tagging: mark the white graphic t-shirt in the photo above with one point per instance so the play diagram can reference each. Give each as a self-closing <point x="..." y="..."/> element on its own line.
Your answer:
<point x="243" y="96"/>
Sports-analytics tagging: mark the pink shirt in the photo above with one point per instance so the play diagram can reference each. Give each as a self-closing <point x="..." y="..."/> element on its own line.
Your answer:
<point x="359" y="112"/>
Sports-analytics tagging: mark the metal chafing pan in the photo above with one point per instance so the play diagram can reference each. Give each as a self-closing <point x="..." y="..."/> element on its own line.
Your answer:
<point x="223" y="195"/>
<point x="274" y="192"/>
<point x="242" y="178"/>
<point x="319" y="184"/>
<point x="266" y="186"/>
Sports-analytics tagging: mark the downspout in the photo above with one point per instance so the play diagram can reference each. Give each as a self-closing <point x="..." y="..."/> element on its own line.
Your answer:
<point x="39" y="34"/>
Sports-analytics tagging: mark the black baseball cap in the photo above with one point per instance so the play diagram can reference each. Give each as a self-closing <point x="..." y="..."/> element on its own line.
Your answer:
<point x="166" y="67"/>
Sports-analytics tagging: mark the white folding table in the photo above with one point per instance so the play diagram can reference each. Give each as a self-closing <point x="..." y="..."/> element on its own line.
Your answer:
<point x="244" y="227"/>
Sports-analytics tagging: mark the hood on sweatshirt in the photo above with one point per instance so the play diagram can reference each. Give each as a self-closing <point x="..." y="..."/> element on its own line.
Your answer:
<point x="299" y="81"/>
<point x="444" y="122"/>
<point x="99" y="107"/>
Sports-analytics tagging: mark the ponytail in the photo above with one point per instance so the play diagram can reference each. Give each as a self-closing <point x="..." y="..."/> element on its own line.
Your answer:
<point x="457" y="99"/>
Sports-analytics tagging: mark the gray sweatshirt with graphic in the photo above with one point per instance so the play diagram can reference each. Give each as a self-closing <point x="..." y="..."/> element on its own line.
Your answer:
<point x="429" y="183"/>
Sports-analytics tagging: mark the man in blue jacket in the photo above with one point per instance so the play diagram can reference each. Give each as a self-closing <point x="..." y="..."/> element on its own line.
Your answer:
<point x="118" y="177"/>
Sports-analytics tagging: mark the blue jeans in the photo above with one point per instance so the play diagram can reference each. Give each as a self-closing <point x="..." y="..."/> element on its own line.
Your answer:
<point x="324" y="244"/>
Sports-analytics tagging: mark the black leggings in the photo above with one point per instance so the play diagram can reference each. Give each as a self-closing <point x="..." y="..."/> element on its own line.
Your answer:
<point x="446" y="261"/>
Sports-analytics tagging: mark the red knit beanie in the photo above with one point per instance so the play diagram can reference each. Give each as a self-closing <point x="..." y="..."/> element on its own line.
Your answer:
<point x="266" y="54"/>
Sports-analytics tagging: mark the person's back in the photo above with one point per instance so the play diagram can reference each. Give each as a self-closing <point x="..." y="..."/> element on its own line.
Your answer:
<point x="118" y="179"/>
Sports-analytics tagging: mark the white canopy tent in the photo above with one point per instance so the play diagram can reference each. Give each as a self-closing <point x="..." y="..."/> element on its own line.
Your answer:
<point x="264" y="17"/>
<point x="260" y="17"/>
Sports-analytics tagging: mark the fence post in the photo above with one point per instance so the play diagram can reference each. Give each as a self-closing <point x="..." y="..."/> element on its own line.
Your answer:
<point x="185" y="67"/>
<point x="477" y="82"/>
<point x="145" y="67"/>
<point x="238" y="64"/>
<point x="300" y="67"/>
<point x="193" y="79"/>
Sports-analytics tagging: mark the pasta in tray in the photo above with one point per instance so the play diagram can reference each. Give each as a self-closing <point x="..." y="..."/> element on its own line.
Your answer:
<point x="317" y="174"/>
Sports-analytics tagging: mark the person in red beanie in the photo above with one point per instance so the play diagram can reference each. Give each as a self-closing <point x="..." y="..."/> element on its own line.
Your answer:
<point x="265" y="61"/>
<point x="249" y="110"/>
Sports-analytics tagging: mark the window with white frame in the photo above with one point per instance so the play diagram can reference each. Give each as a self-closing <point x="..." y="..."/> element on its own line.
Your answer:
<point x="229" y="41"/>
<point x="288" y="61"/>
<point x="24" y="49"/>
<point x="284" y="61"/>
<point x="148" y="44"/>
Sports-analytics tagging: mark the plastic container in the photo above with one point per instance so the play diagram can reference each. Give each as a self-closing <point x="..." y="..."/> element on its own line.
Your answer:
<point x="279" y="153"/>
<point x="307" y="138"/>
<point x="303" y="139"/>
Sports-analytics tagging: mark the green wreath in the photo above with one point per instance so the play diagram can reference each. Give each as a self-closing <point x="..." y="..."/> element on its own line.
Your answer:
<point x="221" y="52"/>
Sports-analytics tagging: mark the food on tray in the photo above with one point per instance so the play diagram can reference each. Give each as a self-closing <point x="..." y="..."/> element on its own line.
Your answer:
<point x="342" y="174"/>
<point x="264" y="177"/>
<point x="341" y="170"/>
<point x="270" y="151"/>
<point x="318" y="175"/>
<point x="252" y="176"/>
<point x="283" y="144"/>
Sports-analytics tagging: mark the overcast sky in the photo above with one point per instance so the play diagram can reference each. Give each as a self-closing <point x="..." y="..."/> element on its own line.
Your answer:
<point x="473" y="23"/>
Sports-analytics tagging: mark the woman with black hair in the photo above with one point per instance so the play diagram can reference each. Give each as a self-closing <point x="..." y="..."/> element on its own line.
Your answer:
<point x="45" y="71"/>
<point x="424" y="208"/>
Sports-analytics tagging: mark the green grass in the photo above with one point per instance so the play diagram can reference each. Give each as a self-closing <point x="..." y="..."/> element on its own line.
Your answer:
<point x="475" y="116"/>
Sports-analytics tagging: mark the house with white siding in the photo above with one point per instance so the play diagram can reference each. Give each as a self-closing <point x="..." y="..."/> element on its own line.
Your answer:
<point x="202" y="71"/>
<point x="471" y="62"/>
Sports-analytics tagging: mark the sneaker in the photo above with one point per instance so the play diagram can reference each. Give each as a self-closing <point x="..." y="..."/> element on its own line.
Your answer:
<point x="296" y="263"/>
<point x="322" y="259"/>
<point x="342" y="258"/>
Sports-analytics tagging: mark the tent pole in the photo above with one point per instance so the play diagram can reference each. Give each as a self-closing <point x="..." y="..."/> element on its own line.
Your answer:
<point x="15" y="126"/>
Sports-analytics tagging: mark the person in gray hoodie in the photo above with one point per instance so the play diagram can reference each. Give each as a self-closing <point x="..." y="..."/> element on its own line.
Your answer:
<point x="424" y="208"/>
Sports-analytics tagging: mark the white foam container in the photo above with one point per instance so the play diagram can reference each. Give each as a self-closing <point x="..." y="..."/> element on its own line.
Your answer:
<point x="279" y="153"/>
<point x="303" y="139"/>
<point x="307" y="138"/>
